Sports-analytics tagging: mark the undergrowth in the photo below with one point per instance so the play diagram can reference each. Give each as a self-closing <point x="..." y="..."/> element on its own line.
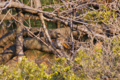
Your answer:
<point x="95" y="64"/>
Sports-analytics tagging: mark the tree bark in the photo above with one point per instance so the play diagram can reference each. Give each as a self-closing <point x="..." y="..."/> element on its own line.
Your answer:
<point x="19" y="38"/>
<point x="8" y="54"/>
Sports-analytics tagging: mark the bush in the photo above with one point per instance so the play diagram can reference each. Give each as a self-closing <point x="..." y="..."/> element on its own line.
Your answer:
<point x="32" y="71"/>
<point x="93" y="64"/>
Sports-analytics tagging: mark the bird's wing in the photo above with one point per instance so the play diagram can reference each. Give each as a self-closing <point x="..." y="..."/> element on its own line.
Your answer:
<point x="66" y="45"/>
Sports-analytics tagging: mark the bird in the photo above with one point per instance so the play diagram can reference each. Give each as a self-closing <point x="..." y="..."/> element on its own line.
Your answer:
<point x="62" y="42"/>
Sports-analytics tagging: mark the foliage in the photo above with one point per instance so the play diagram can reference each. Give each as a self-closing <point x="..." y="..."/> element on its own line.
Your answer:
<point x="25" y="70"/>
<point x="91" y="65"/>
<point x="30" y="70"/>
<point x="104" y="15"/>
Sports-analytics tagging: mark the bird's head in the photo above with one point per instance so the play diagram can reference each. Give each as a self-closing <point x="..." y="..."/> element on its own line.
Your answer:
<point x="58" y="35"/>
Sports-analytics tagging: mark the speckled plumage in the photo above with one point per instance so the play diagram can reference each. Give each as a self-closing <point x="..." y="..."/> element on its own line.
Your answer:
<point x="62" y="42"/>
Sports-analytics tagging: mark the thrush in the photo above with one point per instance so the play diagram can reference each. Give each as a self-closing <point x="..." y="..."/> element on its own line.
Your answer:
<point x="62" y="42"/>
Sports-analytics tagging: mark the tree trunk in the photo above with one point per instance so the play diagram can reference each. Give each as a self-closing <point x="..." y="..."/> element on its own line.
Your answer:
<point x="19" y="38"/>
